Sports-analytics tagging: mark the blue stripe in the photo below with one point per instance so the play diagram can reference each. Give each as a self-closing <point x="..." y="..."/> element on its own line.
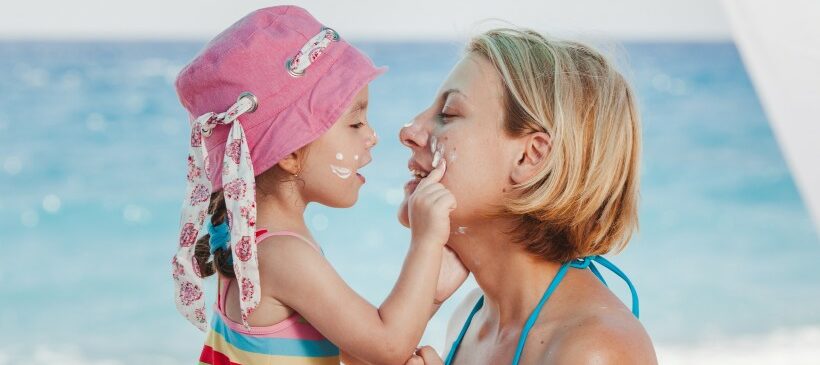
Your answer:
<point x="274" y="346"/>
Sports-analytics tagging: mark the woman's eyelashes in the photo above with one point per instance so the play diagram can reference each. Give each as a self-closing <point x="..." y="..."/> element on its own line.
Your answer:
<point x="358" y="125"/>
<point x="447" y="113"/>
<point x="444" y="117"/>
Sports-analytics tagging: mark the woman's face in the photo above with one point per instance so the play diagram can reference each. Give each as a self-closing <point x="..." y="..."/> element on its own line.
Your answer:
<point x="330" y="171"/>
<point x="463" y="126"/>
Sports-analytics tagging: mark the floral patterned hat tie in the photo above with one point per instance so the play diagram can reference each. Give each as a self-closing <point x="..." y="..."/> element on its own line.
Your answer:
<point x="282" y="79"/>
<point x="240" y="199"/>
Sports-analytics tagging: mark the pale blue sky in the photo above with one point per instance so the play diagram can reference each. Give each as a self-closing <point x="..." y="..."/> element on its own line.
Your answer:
<point x="367" y="19"/>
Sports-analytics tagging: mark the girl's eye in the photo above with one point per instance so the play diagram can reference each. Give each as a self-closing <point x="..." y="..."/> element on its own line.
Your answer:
<point x="358" y="125"/>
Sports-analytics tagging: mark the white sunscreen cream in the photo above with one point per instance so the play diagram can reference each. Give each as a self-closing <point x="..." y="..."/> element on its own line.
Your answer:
<point x="341" y="172"/>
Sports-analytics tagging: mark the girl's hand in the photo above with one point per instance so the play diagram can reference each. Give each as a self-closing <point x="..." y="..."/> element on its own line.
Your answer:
<point x="452" y="275"/>
<point x="429" y="209"/>
<point x="425" y="356"/>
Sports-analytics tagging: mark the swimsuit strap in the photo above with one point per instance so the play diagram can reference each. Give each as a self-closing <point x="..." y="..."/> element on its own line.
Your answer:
<point x="261" y="237"/>
<point x="578" y="264"/>
<point x="457" y="342"/>
<point x="587" y="262"/>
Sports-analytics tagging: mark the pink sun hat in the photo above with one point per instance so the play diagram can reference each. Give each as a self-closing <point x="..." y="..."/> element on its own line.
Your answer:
<point x="270" y="84"/>
<point x="296" y="104"/>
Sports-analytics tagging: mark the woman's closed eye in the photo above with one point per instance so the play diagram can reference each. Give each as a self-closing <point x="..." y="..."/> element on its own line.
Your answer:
<point x="358" y="125"/>
<point x="444" y="117"/>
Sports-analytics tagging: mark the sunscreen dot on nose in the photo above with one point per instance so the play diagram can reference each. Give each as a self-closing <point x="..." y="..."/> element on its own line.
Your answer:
<point x="340" y="157"/>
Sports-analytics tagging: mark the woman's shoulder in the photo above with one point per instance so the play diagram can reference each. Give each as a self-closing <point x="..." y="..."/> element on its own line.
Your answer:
<point x="602" y="337"/>
<point x="459" y="316"/>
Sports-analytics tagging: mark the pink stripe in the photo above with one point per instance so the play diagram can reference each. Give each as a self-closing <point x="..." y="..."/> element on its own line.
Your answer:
<point x="293" y="327"/>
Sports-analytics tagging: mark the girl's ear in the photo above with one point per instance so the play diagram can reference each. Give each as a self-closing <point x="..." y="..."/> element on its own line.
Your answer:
<point x="290" y="164"/>
<point x="535" y="148"/>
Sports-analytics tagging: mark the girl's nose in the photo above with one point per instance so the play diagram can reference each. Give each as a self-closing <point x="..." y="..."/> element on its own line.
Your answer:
<point x="413" y="134"/>
<point x="373" y="139"/>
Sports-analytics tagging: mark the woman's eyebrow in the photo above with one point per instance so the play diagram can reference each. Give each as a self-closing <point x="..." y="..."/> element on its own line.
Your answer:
<point x="447" y="93"/>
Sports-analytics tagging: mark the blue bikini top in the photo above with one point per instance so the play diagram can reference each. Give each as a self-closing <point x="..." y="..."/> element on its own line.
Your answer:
<point x="578" y="264"/>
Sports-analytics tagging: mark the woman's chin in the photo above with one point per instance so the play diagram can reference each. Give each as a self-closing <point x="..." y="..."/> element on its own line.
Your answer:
<point x="403" y="215"/>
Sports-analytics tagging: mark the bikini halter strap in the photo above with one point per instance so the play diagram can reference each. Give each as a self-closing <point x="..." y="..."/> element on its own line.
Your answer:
<point x="582" y="263"/>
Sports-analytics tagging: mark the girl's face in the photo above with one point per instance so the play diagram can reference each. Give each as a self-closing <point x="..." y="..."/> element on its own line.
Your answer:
<point x="330" y="170"/>
<point x="464" y="127"/>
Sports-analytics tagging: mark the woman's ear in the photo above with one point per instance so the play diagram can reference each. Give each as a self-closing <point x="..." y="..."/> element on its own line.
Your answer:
<point x="531" y="158"/>
<point x="290" y="163"/>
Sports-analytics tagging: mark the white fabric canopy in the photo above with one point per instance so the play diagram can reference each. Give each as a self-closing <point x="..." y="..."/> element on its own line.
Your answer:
<point x="780" y="45"/>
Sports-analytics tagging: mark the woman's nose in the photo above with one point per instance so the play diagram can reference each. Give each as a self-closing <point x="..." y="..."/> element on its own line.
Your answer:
<point x="413" y="134"/>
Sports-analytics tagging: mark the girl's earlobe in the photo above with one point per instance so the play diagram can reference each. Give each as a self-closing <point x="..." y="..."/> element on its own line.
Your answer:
<point x="290" y="164"/>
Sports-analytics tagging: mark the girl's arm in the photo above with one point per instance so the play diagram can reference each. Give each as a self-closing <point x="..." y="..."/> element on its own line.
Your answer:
<point x="301" y="277"/>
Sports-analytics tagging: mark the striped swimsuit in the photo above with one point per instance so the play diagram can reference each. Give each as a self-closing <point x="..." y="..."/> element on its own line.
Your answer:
<point x="292" y="341"/>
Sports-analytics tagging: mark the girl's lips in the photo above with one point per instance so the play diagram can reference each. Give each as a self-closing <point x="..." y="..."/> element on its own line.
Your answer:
<point x="361" y="177"/>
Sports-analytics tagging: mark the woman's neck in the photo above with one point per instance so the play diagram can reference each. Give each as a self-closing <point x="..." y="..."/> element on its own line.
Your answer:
<point x="512" y="279"/>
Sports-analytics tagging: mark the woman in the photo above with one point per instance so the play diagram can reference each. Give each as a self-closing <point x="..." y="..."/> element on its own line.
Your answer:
<point x="542" y="143"/>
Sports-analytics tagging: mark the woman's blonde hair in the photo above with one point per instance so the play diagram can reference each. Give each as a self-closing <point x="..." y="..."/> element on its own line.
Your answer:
<point x="584" y="201"/>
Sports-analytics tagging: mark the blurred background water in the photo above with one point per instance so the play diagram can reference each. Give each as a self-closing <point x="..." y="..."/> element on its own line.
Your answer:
<point x="92" y="171"/>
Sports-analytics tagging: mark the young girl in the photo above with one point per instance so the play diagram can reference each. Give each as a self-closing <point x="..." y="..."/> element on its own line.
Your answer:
<point x="278" y="104"/>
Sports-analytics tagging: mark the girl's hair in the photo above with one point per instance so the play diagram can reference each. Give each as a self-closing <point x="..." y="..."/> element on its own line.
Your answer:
<point x="202" y="252"/>
<point x="584" y="201"/>
<point x="220" y="260"/>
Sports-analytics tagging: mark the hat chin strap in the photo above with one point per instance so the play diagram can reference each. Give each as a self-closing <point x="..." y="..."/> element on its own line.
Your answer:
<point x="240" y="200"/>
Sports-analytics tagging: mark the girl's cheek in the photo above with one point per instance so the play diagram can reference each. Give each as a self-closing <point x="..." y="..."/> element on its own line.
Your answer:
<point x="341" y="165"/>
<point x="342" y="172"/>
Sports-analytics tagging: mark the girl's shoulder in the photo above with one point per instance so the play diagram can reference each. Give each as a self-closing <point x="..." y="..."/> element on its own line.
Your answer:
<point x="286" y="247"/>
<point x="282" y="255"/>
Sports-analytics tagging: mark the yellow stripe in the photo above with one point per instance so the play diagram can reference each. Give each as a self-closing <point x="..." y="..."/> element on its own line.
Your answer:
<point x="218" y="343"/>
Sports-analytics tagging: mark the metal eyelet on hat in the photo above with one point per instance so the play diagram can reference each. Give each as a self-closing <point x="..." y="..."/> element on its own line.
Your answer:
<point x="335" y="34"/>
<point x="250" y="96"/>
<point x="233" y="113"/>
<point x="288" y="64"/>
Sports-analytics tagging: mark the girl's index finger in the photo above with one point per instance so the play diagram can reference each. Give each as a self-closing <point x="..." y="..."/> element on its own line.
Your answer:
<point x="434" y="176"/>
